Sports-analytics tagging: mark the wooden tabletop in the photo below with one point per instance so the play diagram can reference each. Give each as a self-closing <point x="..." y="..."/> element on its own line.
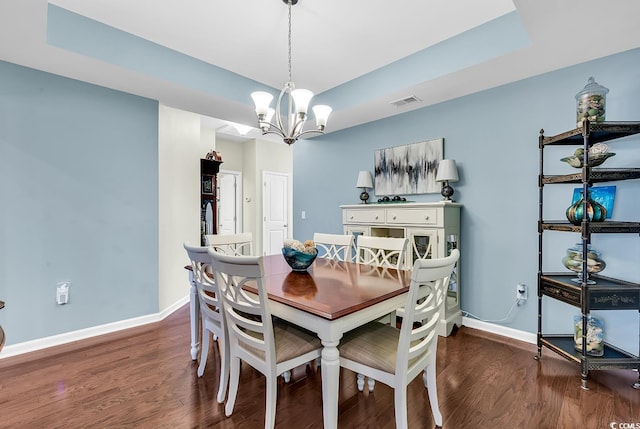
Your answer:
<point x="332" y="289"/>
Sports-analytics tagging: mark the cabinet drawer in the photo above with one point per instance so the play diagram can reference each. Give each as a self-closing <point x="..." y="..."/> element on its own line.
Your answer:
<point x="412" y="216"/>
<point x="364" y="216"/>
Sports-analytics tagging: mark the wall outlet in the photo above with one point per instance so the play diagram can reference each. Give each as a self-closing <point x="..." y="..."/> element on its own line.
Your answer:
<point x="521" y="293"/>
<point x="62" y="292"/>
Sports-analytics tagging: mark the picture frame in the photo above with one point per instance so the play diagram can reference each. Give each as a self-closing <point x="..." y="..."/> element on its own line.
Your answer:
<point x="207" y="185"/>
<point x="604" y="195"/>
<point x="408" y="169"/>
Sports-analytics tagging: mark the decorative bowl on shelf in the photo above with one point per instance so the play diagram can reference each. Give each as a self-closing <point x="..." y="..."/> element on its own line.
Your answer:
<point x="594" y="160"/>
<point x="598" y="153"/>
<point x="298" y="255"/>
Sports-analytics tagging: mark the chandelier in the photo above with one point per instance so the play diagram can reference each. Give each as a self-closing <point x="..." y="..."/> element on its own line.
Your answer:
<point x="290" y="127"/>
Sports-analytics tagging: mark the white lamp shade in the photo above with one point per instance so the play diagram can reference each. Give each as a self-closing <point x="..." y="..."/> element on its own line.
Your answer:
<point x="447" y="171"/>
<point x="364" y="180"/>
<point x="270" y="113"/>
<point x="262" y="100"/>
<point x="301" y="98"/>
<point x="321" y="113"/>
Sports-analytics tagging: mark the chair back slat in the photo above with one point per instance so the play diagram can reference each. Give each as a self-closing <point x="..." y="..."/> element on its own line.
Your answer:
<point x="334" y="246"/>
<point x="231" y="244"/>
<point x="381" y="251"/>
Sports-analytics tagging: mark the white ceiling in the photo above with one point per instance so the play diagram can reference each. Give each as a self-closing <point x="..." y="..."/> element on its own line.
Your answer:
<point x="335" y="42"/>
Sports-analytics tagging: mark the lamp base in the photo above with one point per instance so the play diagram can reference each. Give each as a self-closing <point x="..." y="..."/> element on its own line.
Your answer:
<point x="447" y="192"/>
<point x="364" y="196"/>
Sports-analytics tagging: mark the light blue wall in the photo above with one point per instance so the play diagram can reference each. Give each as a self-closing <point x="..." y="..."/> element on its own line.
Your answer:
<point x="493" y="136"/>
<point x="79" y="203"/>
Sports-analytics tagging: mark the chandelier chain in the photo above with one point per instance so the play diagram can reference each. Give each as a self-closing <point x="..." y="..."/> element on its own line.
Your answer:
<point x="289" y="40"/>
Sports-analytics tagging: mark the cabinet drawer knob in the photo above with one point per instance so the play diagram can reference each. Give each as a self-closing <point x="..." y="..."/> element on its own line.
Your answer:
<point x="376" y="217"/>
<point x="351" y="217"/>
<point x="394" y="218"/>
<point x="426" y="218"/>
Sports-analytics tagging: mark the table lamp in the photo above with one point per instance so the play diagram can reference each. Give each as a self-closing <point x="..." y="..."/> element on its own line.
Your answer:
<point x="364" y="182"/>
<point x="447" y="172"/>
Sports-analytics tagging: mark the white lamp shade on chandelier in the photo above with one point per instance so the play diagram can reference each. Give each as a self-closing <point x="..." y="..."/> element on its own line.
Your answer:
<point x="290" y="118"/>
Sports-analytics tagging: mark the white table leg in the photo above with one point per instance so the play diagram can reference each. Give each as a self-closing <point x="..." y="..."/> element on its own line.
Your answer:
<point x="194" y="315"/>
<point x="330" y="383"/>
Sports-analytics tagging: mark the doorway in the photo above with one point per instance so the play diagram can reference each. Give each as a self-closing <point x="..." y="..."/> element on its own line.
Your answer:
<point x="230" y="202"/>
<point x="275" y="209"/>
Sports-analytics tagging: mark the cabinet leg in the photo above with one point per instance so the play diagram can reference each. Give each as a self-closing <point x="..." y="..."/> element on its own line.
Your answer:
<point x="584" y="382"/>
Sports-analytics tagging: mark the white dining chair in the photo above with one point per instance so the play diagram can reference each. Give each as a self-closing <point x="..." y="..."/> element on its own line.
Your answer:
<point x="270" y="347"/>
<point x="231" y="244"/>
<point x="381" y="251"/>
<point x="396" y="356"/>
<point x="385" y="252"/>
<point x="334" y="246"/>
<point x="211" y="314"/>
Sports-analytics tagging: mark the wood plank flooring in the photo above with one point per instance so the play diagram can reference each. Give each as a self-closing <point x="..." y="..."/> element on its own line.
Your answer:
<point x="144" y="378"/>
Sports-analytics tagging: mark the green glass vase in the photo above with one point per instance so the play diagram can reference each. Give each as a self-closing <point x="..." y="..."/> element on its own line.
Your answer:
<point x="596" y="212"/>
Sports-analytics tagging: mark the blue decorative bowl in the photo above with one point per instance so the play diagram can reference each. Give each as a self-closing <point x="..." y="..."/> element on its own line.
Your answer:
<point x="298" y="261"/>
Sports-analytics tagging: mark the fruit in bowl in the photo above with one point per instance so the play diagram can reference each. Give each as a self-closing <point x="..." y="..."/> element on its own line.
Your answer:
<point x="299" y="255"/>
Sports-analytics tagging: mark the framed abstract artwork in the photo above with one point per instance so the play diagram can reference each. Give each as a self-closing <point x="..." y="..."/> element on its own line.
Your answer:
<point x="408" y="169"/>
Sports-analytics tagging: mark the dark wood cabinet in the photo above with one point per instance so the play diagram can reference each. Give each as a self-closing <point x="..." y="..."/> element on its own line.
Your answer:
<point x="209" y="169"/>
<point x="602" y="293"/>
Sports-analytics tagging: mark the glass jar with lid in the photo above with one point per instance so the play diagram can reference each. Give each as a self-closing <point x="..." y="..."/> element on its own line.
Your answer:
<point x="590" y="102"/>
<point x="573" y="262"/>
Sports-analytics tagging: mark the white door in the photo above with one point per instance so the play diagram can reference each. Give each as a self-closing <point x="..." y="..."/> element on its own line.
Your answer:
<point x="275" y="209"/>
<point x="229" y="207"/>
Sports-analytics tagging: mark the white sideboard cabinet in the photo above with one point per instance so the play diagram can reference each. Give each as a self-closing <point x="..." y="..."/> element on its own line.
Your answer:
<point x="433" y="230"/>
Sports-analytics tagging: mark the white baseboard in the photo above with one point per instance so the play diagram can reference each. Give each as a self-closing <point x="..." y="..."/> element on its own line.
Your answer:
<point x="83" y="334"/>
<point x="516" y="334"/>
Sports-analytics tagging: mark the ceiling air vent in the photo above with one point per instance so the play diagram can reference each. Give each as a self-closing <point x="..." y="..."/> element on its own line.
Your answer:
<point x="404" y="101"/>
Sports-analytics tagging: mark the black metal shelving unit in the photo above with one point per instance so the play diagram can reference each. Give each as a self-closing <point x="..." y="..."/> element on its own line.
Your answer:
<point x="607" y="293"/>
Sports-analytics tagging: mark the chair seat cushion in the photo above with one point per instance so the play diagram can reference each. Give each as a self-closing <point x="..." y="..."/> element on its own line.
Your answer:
<point x="374" y="345"/>
<point x="292" y="341"/>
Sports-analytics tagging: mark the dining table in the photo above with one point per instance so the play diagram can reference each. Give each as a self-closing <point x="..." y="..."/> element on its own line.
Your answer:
<point x="329" y="298"/>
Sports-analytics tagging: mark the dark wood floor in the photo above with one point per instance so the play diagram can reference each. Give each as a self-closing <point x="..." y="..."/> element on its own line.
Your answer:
<point x="145" y="378"/>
